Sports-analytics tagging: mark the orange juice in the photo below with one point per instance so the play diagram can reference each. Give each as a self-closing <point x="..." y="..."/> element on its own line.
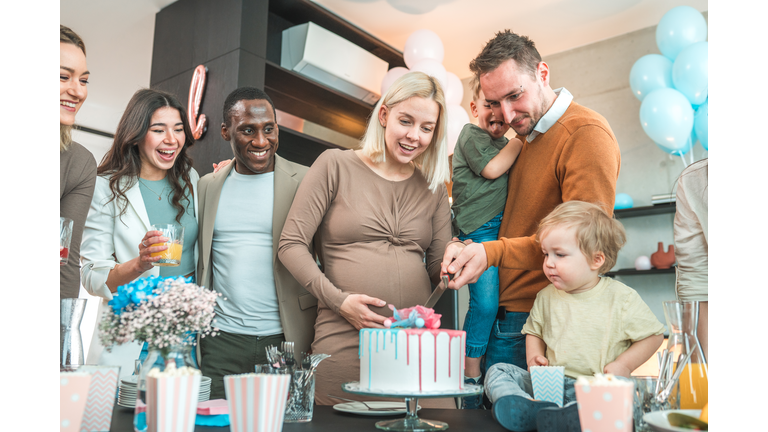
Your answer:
<point x="170" y="257"/>
<point x="693" y="386"/>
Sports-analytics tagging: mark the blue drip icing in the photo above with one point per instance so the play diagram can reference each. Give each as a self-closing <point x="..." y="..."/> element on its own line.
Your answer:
<point x="370" y="361"/>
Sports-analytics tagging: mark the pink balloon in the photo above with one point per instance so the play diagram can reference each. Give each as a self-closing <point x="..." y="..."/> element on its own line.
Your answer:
<point x="456" y="118"/>
<point x="423" y="44"/>
<point x="391" y="76"/>
<point x="454" y="89"/>
<point x="432" y="68"/>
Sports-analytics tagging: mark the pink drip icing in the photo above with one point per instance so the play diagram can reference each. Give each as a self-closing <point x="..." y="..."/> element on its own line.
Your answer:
<point x="407" y="349"/>
<point x="420" y="361"/>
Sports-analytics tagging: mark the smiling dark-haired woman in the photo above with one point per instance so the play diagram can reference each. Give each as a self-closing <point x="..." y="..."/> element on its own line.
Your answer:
<point x="77" y="167"/>
<point x="145" y="179"/>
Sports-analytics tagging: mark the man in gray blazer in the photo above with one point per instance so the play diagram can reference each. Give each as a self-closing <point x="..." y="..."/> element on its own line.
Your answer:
<point x="243" y="208"/>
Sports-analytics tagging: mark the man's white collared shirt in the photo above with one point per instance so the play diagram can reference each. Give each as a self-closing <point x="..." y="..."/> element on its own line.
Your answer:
<point x="562" y="102"/>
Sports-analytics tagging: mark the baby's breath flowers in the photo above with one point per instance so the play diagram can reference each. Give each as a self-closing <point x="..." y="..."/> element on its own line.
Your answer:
<point x="160" y="311"/>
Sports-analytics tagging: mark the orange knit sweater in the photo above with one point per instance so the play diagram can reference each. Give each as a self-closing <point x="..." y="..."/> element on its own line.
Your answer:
<point x="578" y="158"/>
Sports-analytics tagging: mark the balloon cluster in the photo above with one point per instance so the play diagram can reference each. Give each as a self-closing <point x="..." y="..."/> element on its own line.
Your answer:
<point x="424" y="53"/>
<point x="413" y="317"/>
<point x="673" y="87"/>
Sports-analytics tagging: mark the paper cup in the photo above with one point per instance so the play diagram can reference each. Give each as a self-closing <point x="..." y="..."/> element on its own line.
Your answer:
<point x="72" y="399"/>
<point x="548" y="383"/>
<point x="604" y="408"/>
<point x="172" y="403"/>
<point x="256" y="401"/>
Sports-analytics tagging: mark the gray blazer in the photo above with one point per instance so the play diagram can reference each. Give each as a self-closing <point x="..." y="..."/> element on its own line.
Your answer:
<point x="298" y="308"/>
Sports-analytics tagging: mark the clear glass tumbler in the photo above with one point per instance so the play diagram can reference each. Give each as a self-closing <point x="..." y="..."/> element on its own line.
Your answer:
<point x="171" y="257"/>
<point x="645" y="401"/>
<point x="301" y="397"/>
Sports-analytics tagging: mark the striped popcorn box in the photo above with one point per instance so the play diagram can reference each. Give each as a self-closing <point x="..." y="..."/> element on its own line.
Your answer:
<point x="548" y="383"/>
<point x="172" y="403"/>
<point x="72" y="398"/>
<point x="256" y="401"/>
<point x="605" y="404"/>
<point x="101" y="397"/>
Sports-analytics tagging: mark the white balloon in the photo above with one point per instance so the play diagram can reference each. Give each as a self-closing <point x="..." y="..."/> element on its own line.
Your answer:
<point x="455" y="118"/>
<point x="390" y="77"/>
<point x="454" y="90"/>
<point x="642" y="263"/>
<point x="432" y="68"/>
<point x="423" y="44"/>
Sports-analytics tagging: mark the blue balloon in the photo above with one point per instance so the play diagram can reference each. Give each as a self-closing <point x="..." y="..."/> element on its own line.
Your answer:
<point x="650" y="72"/>
<point x="689" y="72"/>
<point x="701" y="124"/>
<point x="623" y="201"/>
<point x="667" y="118"/>
<point x="678" y="28"/>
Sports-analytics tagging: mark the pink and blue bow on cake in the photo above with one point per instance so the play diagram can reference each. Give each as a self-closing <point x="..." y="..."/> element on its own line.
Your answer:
<point x="413" y="317"/>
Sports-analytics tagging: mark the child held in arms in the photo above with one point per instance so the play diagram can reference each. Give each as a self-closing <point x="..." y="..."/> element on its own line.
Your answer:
<point x="587" y="323"/>
<point x="481" y="160"/>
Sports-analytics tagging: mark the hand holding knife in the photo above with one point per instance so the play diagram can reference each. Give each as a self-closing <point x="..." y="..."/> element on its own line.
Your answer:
<point x="439" y="290"/>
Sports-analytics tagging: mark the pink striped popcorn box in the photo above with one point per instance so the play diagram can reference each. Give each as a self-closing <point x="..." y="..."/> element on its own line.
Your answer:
<point x="605" y="406"/>
<point x="172" y="403"/>
<point x="256" y="401"/>
<point x="72" y="398"/>
<point x="101" y="397"/>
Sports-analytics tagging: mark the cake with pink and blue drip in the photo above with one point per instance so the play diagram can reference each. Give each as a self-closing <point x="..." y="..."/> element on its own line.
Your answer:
<point x="401" y="359"/>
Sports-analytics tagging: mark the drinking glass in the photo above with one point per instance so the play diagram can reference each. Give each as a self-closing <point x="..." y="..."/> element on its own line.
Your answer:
<point x="171" y="257"/>
<point x="645" y="400"/>
<point x="301" y="397"/>
<point x="65" y="228"/>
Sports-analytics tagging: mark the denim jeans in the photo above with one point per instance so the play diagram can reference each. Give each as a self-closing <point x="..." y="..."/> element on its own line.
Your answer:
<point x="483" y="294"/>
<point x="507" y="343"/>
<point x="504" y="379"/>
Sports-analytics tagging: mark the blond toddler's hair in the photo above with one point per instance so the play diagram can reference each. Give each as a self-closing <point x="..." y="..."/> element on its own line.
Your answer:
<point x="474" y="85"/>
<point x="596" y="231"/>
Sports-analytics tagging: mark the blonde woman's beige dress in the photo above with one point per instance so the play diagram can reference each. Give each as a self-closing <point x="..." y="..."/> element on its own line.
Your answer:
<point x="373" y="236"/>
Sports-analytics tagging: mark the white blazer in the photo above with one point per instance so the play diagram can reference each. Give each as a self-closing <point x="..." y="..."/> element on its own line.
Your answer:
<point x="109" y="239"/>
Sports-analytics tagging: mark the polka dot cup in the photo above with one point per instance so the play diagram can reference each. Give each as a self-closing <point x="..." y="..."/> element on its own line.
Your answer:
<point x="604" y="408"/>
<point x="72" y="397"/>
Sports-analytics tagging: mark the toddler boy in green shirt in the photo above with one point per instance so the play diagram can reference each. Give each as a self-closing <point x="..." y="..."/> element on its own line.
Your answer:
<point x="481" y="159"/>
<point x="587" y="323"/>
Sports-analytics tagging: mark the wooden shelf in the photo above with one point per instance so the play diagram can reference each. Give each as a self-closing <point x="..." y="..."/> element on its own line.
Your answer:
<point x="301" y="148"/>
<point x="314" y="102"/>
<point x="645" y="211"/>
<point x="303" y="97"/>
<point x="634" y="272"/>
<point x="295" y="12"/>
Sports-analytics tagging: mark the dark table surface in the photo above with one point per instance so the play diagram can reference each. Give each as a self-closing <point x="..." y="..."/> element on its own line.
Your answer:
<point x="326" y="419"/>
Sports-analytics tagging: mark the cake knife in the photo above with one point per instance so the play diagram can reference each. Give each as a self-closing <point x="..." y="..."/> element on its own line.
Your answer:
<point x="439" y="290"/>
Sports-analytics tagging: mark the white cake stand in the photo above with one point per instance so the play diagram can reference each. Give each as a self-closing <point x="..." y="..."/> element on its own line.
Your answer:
<point x="411" y="422"/>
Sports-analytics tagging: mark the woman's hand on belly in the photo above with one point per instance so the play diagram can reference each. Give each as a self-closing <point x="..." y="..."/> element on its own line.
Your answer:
<point x="355" y="310"/>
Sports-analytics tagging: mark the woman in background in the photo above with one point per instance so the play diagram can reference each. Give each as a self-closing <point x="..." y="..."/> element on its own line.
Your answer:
<point x="146" y="178"/>
<point x="375" y="216"/>
<point x="691" y="243"/>
<point x="77" y="167"/>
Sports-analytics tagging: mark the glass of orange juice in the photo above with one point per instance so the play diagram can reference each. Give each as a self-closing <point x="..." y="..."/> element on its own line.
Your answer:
<point x="170" y="257"/>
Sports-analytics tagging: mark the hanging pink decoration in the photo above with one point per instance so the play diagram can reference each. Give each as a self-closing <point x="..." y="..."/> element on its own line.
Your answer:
<point x="196" y="90"/>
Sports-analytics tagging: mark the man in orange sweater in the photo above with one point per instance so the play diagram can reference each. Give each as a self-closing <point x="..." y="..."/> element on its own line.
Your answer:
<point x="569" y="153"/>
